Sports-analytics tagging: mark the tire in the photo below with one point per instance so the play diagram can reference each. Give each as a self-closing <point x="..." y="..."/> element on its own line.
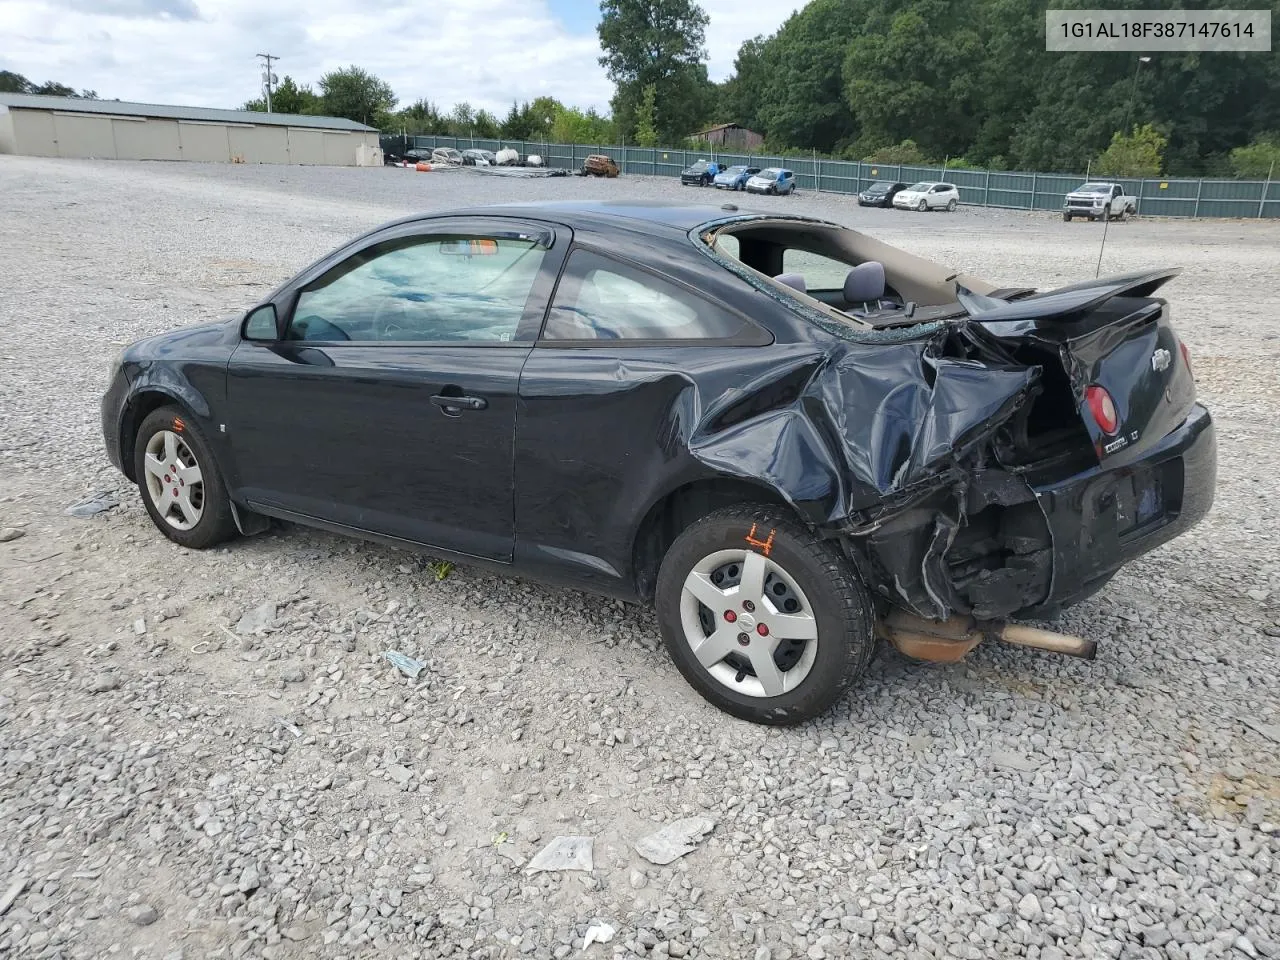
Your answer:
<point x="1066" y="218"/>
<point x="816" y="589"/>
<point x="199" y="514"/>
<point x="922" y="206"/>
<point x="951" y="206"/>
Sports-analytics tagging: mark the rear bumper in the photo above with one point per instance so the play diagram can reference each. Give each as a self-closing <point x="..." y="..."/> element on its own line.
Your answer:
<point x="1101" y="519"/>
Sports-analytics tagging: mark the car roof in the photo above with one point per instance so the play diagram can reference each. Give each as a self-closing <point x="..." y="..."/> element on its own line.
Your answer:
<point x="657" y="215"/>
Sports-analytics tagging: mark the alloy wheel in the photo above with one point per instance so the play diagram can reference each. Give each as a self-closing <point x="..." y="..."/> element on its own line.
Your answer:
<point x="748" y="623"/>
<point x="175" y="483"/>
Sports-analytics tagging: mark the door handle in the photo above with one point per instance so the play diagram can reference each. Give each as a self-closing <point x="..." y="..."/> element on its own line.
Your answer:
<point x="449" y="404"/>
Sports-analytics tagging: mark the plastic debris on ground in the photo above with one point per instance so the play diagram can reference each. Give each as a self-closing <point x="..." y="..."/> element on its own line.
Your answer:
<point x="674" y="840"/>
<point x="93" y="505"/>
<point x="410" y="667"/>
<point x="563" y="853"/>
<point x="597" y="933"/>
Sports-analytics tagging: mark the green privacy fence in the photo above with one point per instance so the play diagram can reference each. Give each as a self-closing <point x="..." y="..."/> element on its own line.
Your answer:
<point x="982" y="188"/>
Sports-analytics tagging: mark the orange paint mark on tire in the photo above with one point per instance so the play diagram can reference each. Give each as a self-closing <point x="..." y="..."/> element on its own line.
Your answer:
<point x="764" y="545"/>
<point x="178" y="425"/>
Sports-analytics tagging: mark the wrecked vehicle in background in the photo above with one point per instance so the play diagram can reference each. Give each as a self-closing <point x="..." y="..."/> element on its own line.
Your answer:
<point x="599" y="165"/>
<point x="447" y="155"/>
<point x="791" y="438"/>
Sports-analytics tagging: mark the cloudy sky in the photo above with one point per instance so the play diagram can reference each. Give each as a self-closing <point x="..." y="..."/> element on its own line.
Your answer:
<point x="201" y="52"/>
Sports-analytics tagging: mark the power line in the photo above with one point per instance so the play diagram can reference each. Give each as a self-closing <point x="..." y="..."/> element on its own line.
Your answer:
<point x="268" y="78"/>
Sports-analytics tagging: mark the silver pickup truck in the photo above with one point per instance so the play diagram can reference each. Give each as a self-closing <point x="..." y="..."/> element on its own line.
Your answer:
<point x="1099" y="201"/>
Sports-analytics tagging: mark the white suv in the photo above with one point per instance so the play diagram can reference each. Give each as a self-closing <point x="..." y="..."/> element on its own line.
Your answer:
<point x="928" y="196"/>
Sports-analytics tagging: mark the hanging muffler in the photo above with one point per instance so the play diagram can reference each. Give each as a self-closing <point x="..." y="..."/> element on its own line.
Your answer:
<point x="947" y="641"/>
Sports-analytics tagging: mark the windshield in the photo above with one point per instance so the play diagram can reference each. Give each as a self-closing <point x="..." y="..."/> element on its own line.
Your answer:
<point x="921" y="187"/>
<point x="770" y="174"/>
<point x="736" y="170"/>
<point x="1094" y="188"/>
<point x="700" y="165"/>
<point x="881" y="186"/>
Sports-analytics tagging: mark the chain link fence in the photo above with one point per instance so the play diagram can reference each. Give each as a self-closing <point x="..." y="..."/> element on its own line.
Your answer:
<point x="982" y="188"/>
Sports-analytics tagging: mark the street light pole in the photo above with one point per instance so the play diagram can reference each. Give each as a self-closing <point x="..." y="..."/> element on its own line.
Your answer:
<point x="1133" y="92"/>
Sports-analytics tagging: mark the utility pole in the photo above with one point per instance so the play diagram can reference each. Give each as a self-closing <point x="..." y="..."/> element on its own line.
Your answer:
<point x="268" y="78"/>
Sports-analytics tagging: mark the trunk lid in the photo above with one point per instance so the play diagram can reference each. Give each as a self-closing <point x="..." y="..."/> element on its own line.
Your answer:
<point x="1107" y="333"/>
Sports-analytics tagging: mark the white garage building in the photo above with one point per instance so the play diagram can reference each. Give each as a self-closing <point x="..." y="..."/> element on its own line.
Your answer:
<point x="113" y="130"/>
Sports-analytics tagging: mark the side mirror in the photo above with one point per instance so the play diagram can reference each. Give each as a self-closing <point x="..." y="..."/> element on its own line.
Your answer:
<point x="261" y="324"/>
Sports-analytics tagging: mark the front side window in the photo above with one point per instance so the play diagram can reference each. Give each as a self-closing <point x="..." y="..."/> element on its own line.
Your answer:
<point x="604" y="299"/>
<point x="441" y="289"/>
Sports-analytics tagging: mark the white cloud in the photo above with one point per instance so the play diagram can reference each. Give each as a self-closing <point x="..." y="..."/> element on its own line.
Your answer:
<point x="201" y="52"/>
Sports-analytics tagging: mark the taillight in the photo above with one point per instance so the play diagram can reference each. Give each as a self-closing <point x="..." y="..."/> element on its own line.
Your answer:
<point x="1103" y="408"/>
<point x="1186" y="355"/>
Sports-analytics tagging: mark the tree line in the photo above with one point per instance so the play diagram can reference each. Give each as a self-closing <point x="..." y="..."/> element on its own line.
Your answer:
<point x="970" y="79"/>
<point x="11" y="82"/>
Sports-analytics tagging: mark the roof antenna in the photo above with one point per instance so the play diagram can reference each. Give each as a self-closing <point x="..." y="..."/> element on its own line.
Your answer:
<point x="1106" y="222"/>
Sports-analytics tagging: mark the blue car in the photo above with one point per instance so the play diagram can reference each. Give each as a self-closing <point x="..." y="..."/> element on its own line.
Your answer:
<point x="774" y="180"/>
<point x="735" y="178"/>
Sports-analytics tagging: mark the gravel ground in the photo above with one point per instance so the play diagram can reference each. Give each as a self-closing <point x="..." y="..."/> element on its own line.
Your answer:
<point x="178" y="781"/>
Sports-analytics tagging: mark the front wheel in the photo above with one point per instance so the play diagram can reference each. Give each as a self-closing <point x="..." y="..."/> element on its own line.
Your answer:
<point x="765" y="620"/>
<point x="1066" y="218"/>
<point x="922" y="206"/>
<point x="179" y="480"/>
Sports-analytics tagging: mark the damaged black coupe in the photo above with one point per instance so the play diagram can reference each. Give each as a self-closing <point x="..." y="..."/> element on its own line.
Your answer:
<point x="789" y="437"/>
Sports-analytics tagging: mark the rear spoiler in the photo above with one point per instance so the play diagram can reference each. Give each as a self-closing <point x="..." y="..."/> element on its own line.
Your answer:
<point x="1065" y="301"/>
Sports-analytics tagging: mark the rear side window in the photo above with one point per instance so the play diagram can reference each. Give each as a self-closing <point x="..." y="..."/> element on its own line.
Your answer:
<point x="604" y="299"/>
<point x="819" y="272"/>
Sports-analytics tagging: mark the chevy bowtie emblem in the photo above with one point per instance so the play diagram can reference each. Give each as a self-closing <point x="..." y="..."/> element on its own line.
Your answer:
<point x="1160" y="360"/>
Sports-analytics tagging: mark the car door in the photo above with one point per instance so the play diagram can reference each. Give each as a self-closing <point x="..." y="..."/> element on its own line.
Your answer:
<point x="600" y="400"/>
<point x="386" y="402"/>
<point x="935" y="197"/>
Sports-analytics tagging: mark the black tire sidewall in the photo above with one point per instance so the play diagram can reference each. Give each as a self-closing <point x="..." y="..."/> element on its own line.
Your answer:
<point x="842" y="652"/>
<point x="216" y="523"/>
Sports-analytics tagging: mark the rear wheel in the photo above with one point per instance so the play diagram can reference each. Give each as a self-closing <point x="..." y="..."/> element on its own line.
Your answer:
<point x="951" y="206"/>
<point x="765" y="620"/>
<point x="180" y="484"/>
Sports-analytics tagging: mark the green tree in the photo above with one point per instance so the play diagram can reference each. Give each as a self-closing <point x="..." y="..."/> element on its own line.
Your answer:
<point x="421" y="116"/>
<point x="288" y="97"/>
<point x="1258" y="159"/>
<point x="486" y="125"/>
<point x="798" y="85"/>
<point x="11" y="82"/>
<point x="1140" y="154"/>
<point x="357" y="94"/>
<point x="646" y="134"/>
<point x="659" y="43"/>
<point x="913" y="70"/>
<point x="908" y="151"/>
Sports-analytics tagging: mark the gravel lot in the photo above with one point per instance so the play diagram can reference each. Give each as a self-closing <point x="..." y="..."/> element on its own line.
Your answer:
<point x="173" y="786"/>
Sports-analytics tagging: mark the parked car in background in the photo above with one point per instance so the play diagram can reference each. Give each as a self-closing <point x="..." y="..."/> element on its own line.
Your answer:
<point x="928" y="195"/>
<point x="700" y="174"/>
<point x="599" y="165"/>
<point x="773" y="180"/>
<point x="447" y="155"/>
<point x="1098" y="201"/>
<point x="734" y="178"/>
<point x="880" y="194"/>
<point x="479" y="158"/>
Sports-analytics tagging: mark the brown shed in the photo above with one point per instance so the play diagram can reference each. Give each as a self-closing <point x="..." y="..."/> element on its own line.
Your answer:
<point x="732" y="135"/>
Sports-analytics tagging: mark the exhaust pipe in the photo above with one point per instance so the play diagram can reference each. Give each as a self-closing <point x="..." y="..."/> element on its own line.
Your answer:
<point x="1021" y="635"/>
<point x="947" y="641"/>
